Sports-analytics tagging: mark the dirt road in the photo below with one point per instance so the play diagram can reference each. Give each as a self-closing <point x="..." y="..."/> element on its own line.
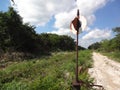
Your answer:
<point x="106" y="72"/>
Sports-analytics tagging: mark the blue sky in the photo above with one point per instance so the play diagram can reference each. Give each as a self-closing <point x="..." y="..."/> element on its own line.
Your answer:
<point x="108" y="16"/>
<point x="54" y="17"/>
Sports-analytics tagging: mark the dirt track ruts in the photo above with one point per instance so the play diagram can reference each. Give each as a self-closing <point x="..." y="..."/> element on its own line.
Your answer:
<point x="105" y="72"/>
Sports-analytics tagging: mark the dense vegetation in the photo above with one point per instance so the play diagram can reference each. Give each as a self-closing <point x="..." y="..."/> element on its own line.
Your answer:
<point x="16" y="36"/>
<point x="111" y="47"/>
<point x="54" y="72"/>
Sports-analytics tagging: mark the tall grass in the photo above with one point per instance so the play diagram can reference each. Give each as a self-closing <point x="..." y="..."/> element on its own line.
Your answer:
<point x="54" y="72"/>
<point x="113" y="55"/>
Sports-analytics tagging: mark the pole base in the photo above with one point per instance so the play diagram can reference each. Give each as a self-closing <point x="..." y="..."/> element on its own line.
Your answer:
<point x="76" y="85"/>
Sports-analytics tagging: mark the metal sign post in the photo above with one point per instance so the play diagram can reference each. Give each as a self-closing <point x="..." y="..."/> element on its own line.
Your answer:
<point x="76" y="24"/>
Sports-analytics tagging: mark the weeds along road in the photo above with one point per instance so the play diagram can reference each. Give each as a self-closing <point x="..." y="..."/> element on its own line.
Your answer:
<point x="105" y="72"/>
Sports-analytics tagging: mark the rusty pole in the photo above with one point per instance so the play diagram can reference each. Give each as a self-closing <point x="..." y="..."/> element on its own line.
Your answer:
<point x="77" y="59"/>
<point x="76" y="83"/>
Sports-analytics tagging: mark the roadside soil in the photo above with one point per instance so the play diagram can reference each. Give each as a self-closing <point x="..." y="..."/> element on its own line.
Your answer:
<point x="105" y="72"/>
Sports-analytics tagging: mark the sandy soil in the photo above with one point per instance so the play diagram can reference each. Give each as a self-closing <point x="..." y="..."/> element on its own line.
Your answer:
<point x="106" y="72"/>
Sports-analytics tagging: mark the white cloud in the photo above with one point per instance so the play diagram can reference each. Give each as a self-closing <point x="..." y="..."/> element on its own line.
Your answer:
<point x="87" y="9"/>
<point x="97" y="33"/>
<point x="63" y="31"/>
<point x="39" y="12"/>
<point x="62" y="20"/>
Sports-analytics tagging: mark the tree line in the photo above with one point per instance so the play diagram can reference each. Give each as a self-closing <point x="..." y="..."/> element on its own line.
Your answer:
<point x="108" y="45"/>
<point x="21" y="37"/>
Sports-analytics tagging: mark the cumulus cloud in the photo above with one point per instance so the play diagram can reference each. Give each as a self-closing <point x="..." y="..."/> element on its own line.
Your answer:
<point x="95" y="35"/>
<point x="63" y="31"/>
<point x="87" y="9"/>
<point x="39" y="12"/>
<point x="62" y="20"/>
